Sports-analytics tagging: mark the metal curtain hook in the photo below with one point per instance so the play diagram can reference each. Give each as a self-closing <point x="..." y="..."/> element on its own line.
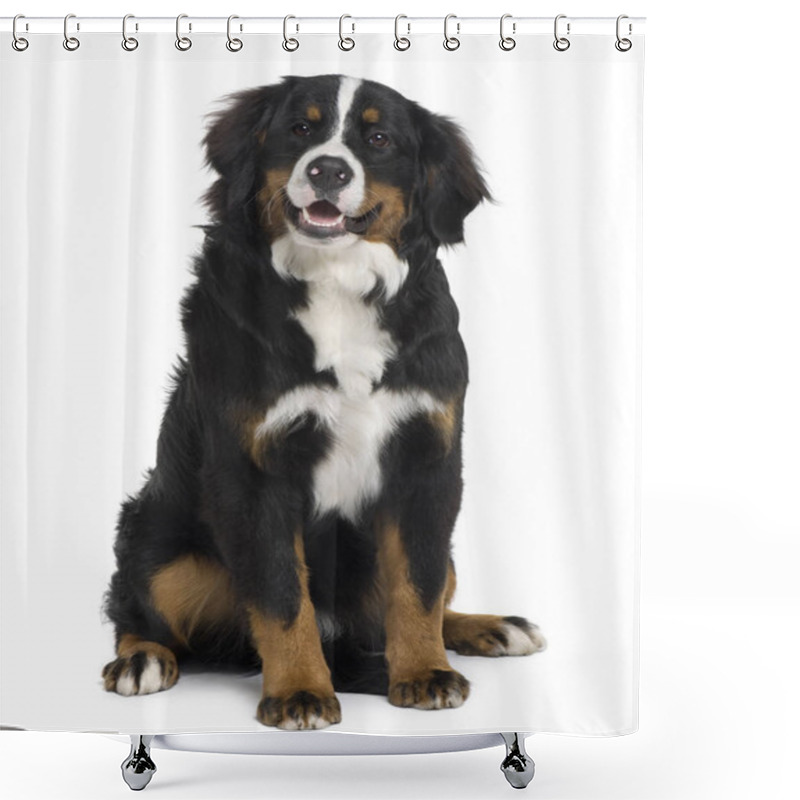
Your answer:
<point x="623" y="45"/>
<point x="234" y="45"/>
<point x="18" y="42"/>
<point x="182" y="42"/>
<point x="70" y="42"/>
<point x="401" y="42"/>
<point x="506" y="42"/>
<point x="451" y="42"/>
<point x="289" y="44"/>
<point x="129" y="43"/>
<point x="561" y="43"/>
<point x="345" y="42"/>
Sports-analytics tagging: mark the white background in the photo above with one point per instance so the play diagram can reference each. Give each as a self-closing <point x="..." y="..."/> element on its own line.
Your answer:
<point x="720" y="441"/>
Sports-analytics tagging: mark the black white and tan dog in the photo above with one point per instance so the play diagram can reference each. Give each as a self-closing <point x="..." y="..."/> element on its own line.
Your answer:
<point x="308" y="471"/>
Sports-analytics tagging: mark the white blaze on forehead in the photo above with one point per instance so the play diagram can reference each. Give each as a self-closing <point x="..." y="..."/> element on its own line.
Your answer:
<point x="301" y="192"/>
<point x="347" y="92"/>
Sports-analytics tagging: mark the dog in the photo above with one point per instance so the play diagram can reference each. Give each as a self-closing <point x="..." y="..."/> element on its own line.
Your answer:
<point x="308" y="471"/>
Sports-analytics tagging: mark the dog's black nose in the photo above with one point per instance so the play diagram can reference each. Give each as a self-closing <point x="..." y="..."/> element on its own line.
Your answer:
<point x="329" y="173"/>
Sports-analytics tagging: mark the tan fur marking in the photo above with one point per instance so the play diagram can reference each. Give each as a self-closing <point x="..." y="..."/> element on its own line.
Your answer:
<point x="313" y="114"/>
<point x="271" y="199"/>
<point x="246" y="421"/>
<point x="472" y="630"/>
<point x="386" y="228"/>
<point x="291" y="655"/>
<point x="445" y="422"/>
<point x="192" y="591"/>
<point x="129" y="645"/>
<point x="450" y="585"/>
<point x="371" y="115"/>
<point x="414" y="643"/>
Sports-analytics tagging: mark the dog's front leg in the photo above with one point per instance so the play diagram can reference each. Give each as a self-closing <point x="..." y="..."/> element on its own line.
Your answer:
<point x="258" y="516"/>
<point x="297" y="690"/>
<point x="420" y="675"/>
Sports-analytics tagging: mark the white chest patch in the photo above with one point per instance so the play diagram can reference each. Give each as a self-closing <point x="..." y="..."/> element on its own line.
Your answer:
<point x="349" y="340"/>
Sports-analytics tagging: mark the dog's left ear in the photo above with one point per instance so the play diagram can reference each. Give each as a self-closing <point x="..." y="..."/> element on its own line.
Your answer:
<point x="452" y="184"/>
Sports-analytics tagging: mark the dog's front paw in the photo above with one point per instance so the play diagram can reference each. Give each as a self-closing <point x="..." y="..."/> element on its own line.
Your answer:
<point x="300" y="711"/>
<point x="438" y="688"/>
<point x="142" y="672"/>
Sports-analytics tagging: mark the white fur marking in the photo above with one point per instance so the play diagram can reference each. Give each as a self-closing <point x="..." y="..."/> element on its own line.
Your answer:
<point x="355" y="268"/>
<point x="347" y="92"/>
<point x="349" y="340"/>
<point x="151" y="678"/>
<point x="125" y="684"/>
<point x="520" y="642"/>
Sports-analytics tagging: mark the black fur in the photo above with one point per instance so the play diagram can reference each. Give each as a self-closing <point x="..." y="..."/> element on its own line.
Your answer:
<point x="206" y="495"/>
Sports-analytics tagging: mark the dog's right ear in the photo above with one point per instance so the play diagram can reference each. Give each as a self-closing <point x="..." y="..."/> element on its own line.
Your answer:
<point x="235" y="135"/>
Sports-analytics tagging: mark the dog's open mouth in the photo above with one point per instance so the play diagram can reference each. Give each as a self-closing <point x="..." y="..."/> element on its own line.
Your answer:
<point x="323" y="220"/>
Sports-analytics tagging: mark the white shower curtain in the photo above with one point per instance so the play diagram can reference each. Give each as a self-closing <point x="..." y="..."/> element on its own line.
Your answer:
<point x="102" y="178"/>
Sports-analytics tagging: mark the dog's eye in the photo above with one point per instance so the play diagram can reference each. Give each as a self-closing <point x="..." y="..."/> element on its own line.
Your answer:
<point x="379" y="139"/>
<point x="301" y="129"/>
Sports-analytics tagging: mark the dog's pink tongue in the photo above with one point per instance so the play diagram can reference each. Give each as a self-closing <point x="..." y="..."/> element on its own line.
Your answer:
<point x="322" y="212"/>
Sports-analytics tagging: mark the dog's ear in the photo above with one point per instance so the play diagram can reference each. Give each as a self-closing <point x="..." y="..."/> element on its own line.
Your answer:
<point x="451" y="181"/>
<point x="234" y="138"/>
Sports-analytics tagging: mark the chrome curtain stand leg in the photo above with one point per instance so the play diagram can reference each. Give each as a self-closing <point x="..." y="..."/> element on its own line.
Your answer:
<point x="517" y="766"/>
<point x="138" y="768"/>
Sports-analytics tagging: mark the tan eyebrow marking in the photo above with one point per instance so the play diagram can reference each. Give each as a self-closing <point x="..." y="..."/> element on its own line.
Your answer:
<point x="371" y="115"/>
<point x="313" y="114"/>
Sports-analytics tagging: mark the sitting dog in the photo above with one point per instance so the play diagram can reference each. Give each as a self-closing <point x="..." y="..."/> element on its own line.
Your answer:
<point x="308" y="471"/>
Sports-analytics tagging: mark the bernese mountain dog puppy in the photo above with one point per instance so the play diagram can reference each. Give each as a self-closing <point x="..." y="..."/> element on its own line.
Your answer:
<point x="308" y="471"/>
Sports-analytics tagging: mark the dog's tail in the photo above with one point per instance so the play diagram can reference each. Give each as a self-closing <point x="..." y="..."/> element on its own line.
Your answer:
<point x="356" y="668"/>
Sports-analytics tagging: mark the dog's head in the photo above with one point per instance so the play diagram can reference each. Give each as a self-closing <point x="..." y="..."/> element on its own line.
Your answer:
<point x="331" y="160"/>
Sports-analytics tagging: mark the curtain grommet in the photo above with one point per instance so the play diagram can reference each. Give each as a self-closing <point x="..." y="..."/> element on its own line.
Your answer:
<point x="401" y="43"/>
<point x="561" y="43"/>
<point x="289" y="44"/>
<point x="507" y="43"/>
<point x="183" y="43"/>
<point x="451" y="43"/>
<point x="129" y="43"/>
<point x="19" y="43"/>
<point x="71" y="43"/>
<point x="233" y="44"/>
<point x="346" y="43"/>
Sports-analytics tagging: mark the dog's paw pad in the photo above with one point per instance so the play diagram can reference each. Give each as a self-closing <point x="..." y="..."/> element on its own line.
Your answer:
<point x="300" y="711"/>
<point x="140" y="673"/>
<point x="439" y="688"/>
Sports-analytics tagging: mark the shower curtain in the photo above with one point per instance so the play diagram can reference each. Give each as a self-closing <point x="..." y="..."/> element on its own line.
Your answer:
<point x="105" y="230"/>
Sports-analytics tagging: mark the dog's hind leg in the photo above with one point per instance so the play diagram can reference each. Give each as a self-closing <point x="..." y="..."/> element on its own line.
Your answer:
<point x="487" y="634"/>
